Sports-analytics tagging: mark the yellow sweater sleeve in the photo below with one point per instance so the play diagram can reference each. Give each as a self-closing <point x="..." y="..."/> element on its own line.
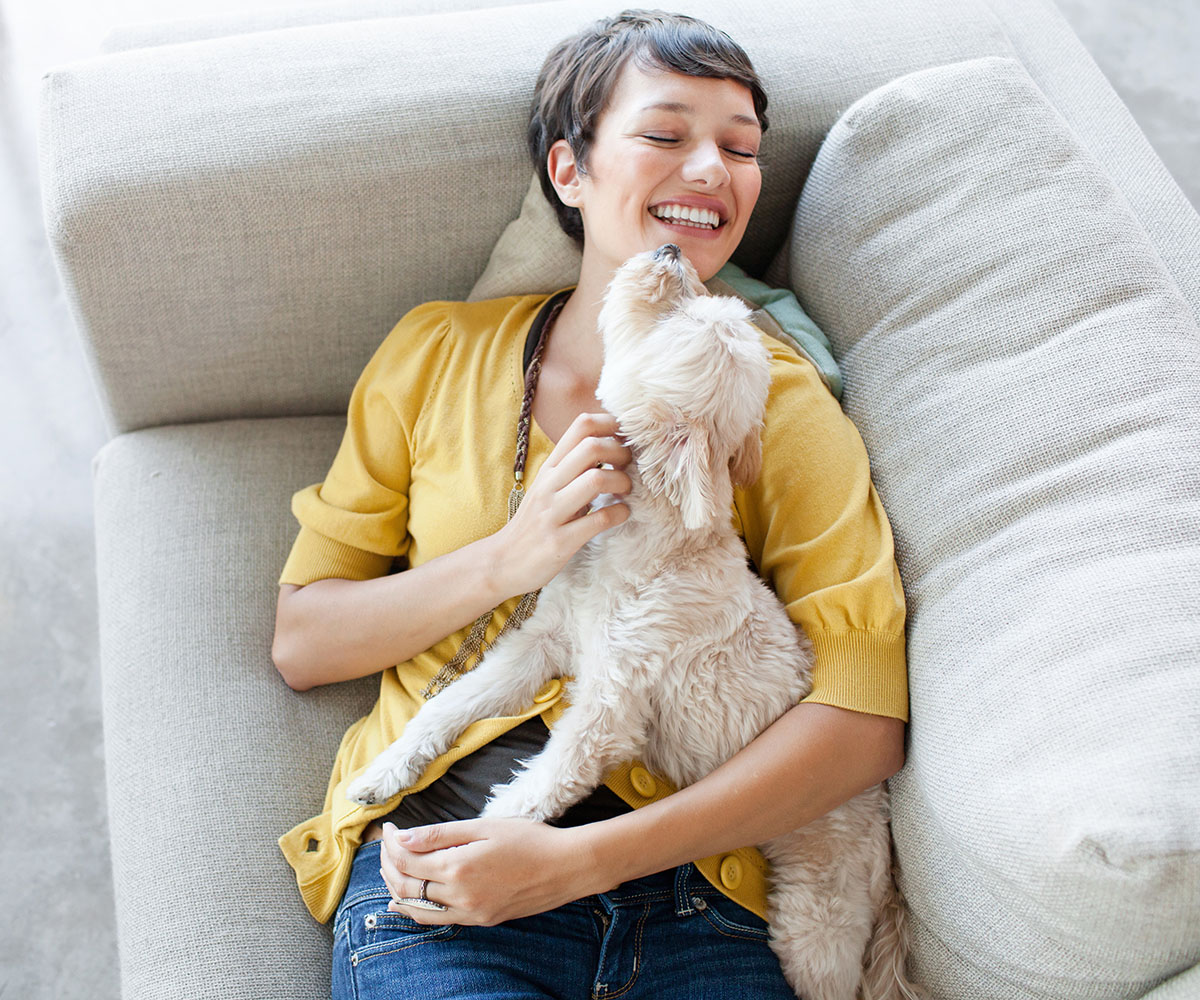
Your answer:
<point x="354" y="524"/>
<point x="816" y="530"/>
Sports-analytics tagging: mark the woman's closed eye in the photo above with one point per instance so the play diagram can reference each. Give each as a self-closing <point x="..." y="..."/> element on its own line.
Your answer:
<point x="670" y="140"/>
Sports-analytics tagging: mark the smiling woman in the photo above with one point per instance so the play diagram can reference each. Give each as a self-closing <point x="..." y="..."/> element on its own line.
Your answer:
<point x="675" y="159"/>
<point x="645" y="130"/>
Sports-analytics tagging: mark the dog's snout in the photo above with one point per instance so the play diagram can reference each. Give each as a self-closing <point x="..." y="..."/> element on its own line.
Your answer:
<point x="669" y="251"/>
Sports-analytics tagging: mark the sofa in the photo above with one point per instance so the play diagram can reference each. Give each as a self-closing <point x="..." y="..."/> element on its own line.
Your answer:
<point x="241" y="208"/>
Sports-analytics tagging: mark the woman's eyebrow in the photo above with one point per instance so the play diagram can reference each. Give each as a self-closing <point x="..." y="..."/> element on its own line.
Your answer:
<point x="687" y="109"/>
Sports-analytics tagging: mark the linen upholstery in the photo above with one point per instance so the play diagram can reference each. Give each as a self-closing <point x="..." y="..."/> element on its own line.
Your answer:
<point x="247" y="216"/>
<point x="208" y="755"/>
<point x="191" y="29"/>
<point x="533" y="253"/>
<point x="1026" y="376"/>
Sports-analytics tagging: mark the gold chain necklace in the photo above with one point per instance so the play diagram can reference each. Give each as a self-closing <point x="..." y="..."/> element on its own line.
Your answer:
<point x="472" y="646"/>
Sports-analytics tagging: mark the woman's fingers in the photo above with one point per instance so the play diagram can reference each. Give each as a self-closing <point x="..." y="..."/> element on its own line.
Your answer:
<point x="572" y="500"/>
<point x="591" y="453"/>
<point x="553" y="521"/>
<point x="402" y="885"/>
<point x="586" y="425"/>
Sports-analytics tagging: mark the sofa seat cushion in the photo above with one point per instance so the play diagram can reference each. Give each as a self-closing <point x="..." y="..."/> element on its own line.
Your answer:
<point x="209" y="755"/>
<point x="1026" y="376"/>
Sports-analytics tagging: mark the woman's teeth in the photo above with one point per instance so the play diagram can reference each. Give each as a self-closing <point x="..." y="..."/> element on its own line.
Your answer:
<point x="698" y="218"/>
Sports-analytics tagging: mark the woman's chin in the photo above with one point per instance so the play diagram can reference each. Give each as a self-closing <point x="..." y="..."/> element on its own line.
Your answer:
<point x="707" y="249"/>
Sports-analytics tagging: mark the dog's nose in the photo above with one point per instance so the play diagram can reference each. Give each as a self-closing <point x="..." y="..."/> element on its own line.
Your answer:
<point x="667" y="250"/>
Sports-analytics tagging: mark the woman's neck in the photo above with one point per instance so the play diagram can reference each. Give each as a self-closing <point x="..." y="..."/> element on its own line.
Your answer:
<point x="575" y="340"/>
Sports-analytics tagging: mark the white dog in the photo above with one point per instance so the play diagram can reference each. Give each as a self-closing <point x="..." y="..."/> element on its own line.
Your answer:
<point x="680" y="655"/>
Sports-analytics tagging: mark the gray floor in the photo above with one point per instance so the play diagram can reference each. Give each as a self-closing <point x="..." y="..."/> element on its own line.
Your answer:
<point x="58" y="939"/>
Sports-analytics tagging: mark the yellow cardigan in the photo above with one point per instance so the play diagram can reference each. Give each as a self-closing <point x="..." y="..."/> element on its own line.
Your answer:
<point x="425" y="467"/>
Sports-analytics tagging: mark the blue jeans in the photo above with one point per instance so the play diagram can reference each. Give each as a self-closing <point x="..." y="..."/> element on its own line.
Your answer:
<point x="667" y="935"/>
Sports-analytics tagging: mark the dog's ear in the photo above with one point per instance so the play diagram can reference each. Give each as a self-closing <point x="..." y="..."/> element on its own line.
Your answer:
<point x="689" y="475"/>
<point x="674" y="459"/>
<point x="745" y="463"/>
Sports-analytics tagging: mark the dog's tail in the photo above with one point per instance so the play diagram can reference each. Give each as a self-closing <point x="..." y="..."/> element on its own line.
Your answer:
<point x="884" y="973"/>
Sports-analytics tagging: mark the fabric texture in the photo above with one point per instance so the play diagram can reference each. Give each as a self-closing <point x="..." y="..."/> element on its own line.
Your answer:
<point x="208" y="754"/>
<point x="1026" y="376"/>
<point x="424" y="469"/>
<point x="240" y="219"/>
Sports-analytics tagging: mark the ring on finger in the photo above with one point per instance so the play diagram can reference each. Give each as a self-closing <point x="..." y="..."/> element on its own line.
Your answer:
<point x="422" y="902"/>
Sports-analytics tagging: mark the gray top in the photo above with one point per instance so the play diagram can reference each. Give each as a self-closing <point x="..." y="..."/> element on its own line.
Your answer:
<point x="461" y="792"/>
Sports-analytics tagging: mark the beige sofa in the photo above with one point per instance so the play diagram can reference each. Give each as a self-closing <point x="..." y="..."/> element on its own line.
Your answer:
<point x="242" y="208"/>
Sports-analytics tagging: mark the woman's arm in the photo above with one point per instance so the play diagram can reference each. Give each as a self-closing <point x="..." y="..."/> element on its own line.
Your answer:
<point x="809" y="761"/>
<point x="806" y="763"/>
<point x="335" y="629"/>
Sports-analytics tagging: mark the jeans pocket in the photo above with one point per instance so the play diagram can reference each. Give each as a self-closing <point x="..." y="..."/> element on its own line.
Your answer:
<point x="729" y="918"/>
<point x="372" y="930"/>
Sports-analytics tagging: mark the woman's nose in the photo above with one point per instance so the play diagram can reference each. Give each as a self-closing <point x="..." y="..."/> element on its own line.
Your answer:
<point x="705" y="165"/>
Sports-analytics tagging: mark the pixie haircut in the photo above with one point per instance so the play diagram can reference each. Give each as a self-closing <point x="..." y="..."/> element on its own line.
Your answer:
<point x="580" y="73"/>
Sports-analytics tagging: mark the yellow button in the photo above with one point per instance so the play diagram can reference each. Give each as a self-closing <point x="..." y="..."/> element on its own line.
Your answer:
<point x="731" y="872"/>
<point x="643" y="782"/>
<point x="549" y="692"/>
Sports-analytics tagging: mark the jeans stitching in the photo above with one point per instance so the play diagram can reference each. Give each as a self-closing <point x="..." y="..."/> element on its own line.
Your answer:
<point x="729" y="928"/>
<point x="350" y="972"/>
<point x="641" y="897"/>
<point x="683" y="899"/>
<point x="637" y="955"/>
<point x="455" y="929"/>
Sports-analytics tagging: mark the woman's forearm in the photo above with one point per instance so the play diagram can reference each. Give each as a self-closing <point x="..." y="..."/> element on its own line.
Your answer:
<point x="335" y="630"/>
<point x="809" y="761"/>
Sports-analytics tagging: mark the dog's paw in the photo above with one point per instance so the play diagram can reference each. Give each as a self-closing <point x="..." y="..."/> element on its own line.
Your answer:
<point x="378" y="784"/>
<point x="506" y="801"/>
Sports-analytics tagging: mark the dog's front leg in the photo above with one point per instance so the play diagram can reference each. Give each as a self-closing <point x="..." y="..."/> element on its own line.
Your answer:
<point x="600" y="730"/>
<point x="504" y="683"/>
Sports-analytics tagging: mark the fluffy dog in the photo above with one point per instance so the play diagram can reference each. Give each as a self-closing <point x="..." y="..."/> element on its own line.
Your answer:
<point x="680" y="655"/>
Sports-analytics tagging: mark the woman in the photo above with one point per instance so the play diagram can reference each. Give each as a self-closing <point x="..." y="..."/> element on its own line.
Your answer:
<point x="646" y="129"/>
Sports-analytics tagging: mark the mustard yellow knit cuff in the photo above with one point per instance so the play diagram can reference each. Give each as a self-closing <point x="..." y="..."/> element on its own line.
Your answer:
<point x="317" y="557"/>
<point x="862" y="671"/>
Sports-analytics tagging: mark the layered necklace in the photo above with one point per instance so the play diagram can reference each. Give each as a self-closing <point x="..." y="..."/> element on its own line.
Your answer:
<point x="472" y="646"/>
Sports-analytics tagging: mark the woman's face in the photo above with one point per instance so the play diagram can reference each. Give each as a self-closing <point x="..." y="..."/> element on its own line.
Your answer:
<point x="668" y="148"/>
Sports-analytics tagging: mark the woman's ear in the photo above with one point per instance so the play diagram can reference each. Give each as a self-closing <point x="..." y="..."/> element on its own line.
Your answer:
<point x="564" y="172"/>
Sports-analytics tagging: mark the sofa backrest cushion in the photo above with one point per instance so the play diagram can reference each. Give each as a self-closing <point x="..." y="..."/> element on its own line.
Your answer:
<point x="239" y="221"/>
<point x="1026" y="376"/>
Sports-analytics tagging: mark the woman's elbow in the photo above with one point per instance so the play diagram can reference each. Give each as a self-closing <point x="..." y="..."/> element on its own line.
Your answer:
<point x="284" y="645"/>
<point x="285" y="664"/>
<point x="890" y="748"/>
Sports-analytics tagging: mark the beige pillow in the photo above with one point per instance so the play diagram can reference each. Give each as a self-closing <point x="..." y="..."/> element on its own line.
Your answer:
<point x="1026" y="376"/>
<point x="533" y="254"/>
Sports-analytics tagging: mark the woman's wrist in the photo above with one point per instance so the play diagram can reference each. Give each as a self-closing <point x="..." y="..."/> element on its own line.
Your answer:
<point x="488" y="554"/>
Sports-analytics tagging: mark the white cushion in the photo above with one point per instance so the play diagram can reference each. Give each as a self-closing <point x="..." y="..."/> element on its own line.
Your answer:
<point x="1026" y="376"/>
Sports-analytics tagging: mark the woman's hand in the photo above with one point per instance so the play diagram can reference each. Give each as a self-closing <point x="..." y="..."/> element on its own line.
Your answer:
<point x="553" y="521"/>
<point x="486" y="871"/>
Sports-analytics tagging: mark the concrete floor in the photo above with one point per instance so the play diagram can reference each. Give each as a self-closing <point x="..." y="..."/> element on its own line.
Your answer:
<point x="57" y="939"/>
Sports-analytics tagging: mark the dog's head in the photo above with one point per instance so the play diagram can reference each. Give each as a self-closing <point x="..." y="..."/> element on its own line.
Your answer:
<point x="686" y="375"/>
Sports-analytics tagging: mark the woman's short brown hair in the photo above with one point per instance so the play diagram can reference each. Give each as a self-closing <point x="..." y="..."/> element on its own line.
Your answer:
<point x="580" y="73"/>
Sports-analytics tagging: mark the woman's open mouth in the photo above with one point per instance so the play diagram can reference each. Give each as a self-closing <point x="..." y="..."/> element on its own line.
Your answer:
<point x="682" y="217"/>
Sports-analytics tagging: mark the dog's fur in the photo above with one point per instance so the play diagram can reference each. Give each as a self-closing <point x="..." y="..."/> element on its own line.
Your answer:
<point x="680" y="655"/>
